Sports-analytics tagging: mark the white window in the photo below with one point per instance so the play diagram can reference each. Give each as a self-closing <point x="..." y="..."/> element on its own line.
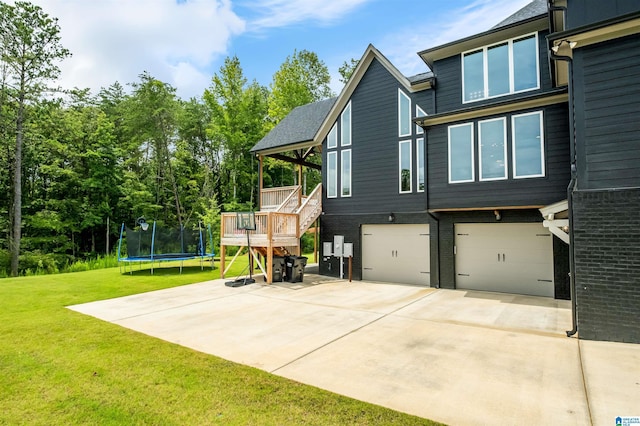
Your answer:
<point x="420" y="163"/>
<point x="492" y="141"/>
<point x="345" y="173"/>
<point x="404" y="114"/>
<point x="404" y="164"/>
<point x="528" y="145"/>
<point x="461" y="158"/>
<point x="332" y="137"/>
<point x="332" y="174"/>
<point x="345" y="126"/>
<point x="500" y="69"/>
<point x="419" y="113"/>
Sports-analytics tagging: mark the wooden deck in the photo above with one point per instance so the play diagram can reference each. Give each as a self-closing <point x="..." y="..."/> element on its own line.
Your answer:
<point x="280" y="224"/>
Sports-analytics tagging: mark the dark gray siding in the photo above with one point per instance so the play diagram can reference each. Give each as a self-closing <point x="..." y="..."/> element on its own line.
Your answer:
<point x="350" y="226"/>
<point x="374" y="116"/>
<point x="586" y="12"/>
<point x="606" y="77"/>
<point x="449" y="81"/>
<point x="445" y="227"/>
<point x="607" y="259"/>
<point x="510" y="192"/>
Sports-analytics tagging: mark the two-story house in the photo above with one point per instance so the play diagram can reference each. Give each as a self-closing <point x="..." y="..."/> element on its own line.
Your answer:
<point x="509" y="163"/>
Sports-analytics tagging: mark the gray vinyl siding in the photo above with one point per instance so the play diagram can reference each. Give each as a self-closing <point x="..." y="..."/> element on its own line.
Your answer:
<point x="374" y="122"/>
<point x="606" y="91"/>
<point x="586" y="12"/>
<point x="449" y="81"/>
<point x="510" y="192"/>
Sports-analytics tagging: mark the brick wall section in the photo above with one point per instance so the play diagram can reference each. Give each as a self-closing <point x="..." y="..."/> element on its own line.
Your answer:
<point x="607" y="258"/>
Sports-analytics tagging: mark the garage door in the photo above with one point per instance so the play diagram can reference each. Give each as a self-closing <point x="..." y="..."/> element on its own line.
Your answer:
<point x="504" y="257"/>
<point x="396" y="253"/>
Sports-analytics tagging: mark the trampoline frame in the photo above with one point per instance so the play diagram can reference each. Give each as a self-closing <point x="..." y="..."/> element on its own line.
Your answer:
<point x="166" y="257"/>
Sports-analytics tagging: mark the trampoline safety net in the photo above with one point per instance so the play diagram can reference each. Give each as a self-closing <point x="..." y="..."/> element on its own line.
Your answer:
<point x="166" y="243"/>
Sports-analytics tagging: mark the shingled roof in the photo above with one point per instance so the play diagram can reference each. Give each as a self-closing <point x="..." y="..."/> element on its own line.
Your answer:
<point x="531" y="10"/>
<point x="300" y="125"/>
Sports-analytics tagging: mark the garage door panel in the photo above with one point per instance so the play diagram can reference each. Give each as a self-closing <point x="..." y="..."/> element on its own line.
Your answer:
<point x="396" y="253"/>
<point x="511" y="258"/>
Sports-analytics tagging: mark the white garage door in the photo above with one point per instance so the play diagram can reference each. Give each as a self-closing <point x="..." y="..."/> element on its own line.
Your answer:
<point x="396" y="253"/>
<point x="504" y="257"/>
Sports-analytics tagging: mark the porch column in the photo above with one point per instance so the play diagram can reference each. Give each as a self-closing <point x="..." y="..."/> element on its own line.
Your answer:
<point x="269" y="249"/>
<point x="222" y="248"/>
<point x="260" y="184"/>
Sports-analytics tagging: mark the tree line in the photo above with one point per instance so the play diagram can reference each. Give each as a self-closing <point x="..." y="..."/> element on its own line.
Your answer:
<point x="76" y="164"/>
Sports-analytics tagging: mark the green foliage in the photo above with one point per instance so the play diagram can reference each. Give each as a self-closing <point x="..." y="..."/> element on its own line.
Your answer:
<point x="88" y="163"/>
<point x="302" y="78"/>
<point x="347" y="69"/>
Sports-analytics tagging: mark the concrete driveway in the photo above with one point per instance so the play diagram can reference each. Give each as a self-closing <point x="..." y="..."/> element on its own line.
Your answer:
<point x="458" y="357"/>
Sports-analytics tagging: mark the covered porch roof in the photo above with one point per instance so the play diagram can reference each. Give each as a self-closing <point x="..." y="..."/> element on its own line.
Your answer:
<point x="296" y="132"/>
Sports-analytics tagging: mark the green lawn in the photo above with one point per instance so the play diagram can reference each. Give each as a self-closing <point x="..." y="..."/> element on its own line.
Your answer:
<point x="59" y="367"/>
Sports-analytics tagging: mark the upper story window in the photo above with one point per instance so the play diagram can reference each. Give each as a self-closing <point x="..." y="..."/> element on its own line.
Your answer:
<point x="345" y="126"/>
<point x="404" y="168"/>
<point x="404" y="114"/>
<point x="420" y="163"/>
<point x="419" y="113"/>
<point x="461" y="155"/>
<point x="339" y="159"/>
<point x="501" y="69"/>
<point x="345" y="173"/>
<point x="332" y="137"/>
<point x="528" y="145"/>
<point x="527" y="148"/>
<point x="332" y="174"/>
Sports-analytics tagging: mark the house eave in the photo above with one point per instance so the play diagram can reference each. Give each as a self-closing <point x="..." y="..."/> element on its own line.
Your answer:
<point x="602" y="31"/>
<point x="535" y="101"/>
<point x="538" y="23"/>
<point x="285" y="148"/>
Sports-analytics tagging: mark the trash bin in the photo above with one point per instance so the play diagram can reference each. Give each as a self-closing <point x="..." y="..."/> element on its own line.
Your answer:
<point x="295" y="268"/>
<point x="278" y="270"/>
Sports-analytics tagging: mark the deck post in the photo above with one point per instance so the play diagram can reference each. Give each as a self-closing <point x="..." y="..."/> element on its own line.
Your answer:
<point x="260" y="184"/>
<point x="222" y="248"/>
<point x="269" y="276"/>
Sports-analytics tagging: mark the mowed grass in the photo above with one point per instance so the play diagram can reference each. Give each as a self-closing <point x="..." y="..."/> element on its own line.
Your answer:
<point x="60" y="367"/>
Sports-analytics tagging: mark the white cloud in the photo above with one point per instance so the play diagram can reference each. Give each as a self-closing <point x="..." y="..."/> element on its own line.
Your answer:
<point x="436" y="29"/>
<point x="116" y="40"/>
<point x="281" y="13"/>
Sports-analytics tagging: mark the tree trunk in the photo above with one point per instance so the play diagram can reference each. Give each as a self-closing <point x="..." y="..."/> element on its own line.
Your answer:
<point x="17" y="192"/>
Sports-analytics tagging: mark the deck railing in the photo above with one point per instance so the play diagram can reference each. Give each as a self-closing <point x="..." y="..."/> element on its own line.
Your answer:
<point x="272" y="198"/>
<point x="268" y="224"/>
<point x="310" y="209"/>
<point x="292" y="202"/>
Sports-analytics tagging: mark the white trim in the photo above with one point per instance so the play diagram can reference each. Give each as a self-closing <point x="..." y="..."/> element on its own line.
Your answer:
<point x="346" y="113"/>
<point x="473" y="170"/>
<point x="420" y="113"/>
<point x="334" y="132"/>
<point x="333" y="154"/>
<point x="401" y="94"/>
<point x="513" y="146"/>
<point x="485" y="67"/>
<point x="504" y="146"/>
<point x="408" y="143"/>
<point x="420" y="144"/>
<point x="342" y="173"/>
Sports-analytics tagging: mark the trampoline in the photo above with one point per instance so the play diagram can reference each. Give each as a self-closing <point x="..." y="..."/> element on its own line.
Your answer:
<point x="157" y="244"/>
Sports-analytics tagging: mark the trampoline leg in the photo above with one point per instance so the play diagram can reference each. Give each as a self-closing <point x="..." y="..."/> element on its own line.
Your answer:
<point x="181" y="263"/>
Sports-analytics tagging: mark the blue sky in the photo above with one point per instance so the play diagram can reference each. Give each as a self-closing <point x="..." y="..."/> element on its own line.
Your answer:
<point x="184" y="42"/>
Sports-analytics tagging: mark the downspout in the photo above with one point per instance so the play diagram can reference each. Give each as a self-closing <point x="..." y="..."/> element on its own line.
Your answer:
<point x="570" y="189"/>
<point x="426" y="188"/>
